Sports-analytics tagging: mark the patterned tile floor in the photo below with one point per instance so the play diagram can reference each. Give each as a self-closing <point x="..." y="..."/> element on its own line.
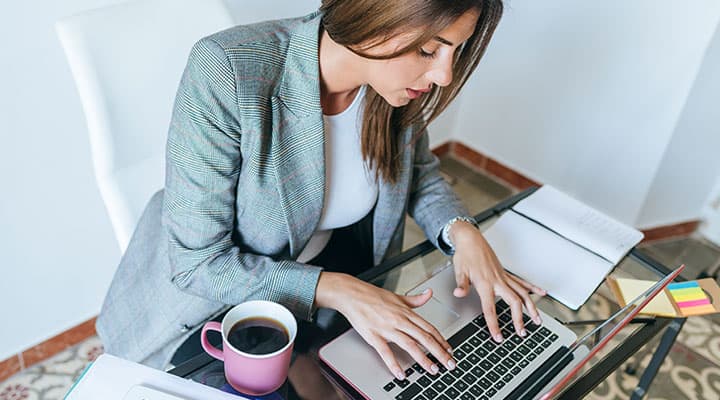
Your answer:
<point x="692" y="371"/>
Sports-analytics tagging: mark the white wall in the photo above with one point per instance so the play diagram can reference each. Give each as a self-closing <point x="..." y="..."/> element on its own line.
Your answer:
<point x="691" y="163"/>
<point x="586" y="95"/>
<point x="58" y="249"/>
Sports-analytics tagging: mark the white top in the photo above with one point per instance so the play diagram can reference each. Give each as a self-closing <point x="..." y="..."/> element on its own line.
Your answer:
<point x="350" y="187"/>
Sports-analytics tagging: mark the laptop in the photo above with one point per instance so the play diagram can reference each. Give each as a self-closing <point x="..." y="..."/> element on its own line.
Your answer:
<point x="485" y="369"/>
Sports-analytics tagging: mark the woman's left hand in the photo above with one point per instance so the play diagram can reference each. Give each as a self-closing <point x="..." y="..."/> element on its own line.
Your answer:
<point x="476" y="263"/>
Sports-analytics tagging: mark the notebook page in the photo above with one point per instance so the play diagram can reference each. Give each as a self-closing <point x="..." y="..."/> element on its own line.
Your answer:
<point x="568" y="272"/>
<point x="588" y="227"/>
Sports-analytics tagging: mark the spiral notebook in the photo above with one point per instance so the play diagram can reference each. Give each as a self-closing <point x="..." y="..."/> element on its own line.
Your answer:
<point x="560" y="244"/>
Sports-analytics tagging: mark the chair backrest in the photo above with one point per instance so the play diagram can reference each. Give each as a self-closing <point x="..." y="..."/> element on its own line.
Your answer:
<point x="127" y="60"/>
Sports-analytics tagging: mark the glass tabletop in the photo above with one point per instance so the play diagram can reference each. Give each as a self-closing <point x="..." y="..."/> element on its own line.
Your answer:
<point x="414" y="266"/>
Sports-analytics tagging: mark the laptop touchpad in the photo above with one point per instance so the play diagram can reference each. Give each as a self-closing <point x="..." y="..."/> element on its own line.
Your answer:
<point x="438" y="314"/>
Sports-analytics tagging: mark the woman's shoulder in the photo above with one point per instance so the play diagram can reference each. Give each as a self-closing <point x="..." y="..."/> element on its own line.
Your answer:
<point x="271" y="35"/>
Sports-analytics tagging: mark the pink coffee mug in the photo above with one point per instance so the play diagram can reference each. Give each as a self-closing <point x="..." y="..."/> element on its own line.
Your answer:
<point x="253" y="374"/>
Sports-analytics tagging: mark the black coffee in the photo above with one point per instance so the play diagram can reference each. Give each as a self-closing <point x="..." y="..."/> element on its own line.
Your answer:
<point x="258" y="335"/>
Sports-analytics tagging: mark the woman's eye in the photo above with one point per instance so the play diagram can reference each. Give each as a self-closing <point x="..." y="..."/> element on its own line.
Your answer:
<point x="425" y="54"/>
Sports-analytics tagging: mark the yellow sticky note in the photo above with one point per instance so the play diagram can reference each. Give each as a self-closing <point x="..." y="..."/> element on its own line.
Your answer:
<point x="632" y="288"/>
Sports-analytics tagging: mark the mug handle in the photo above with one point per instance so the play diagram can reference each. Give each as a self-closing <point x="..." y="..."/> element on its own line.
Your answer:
<point x="210" y="349"/>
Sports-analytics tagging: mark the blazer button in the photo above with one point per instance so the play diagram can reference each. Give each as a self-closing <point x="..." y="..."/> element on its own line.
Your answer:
<point x="184" y="328"/>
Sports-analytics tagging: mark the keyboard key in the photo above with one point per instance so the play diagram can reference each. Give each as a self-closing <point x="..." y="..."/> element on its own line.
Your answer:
<point x="501" y="351"/>
<point x="500" y="369"/>
<point x="507" y="378"/>
<point x="401" y="383"/>
<point x="448" y="379"/>
<point x="508" y="362"/>
<point x="485" y="384"/>
<point x="508" y="345"/>
<point x="476" y="390"/>
<point x="473" y="359"/>
<point x="409" y="372"/>
<point x="489" y="345"/>
<point x="483" y="335"/>
<point x="460" y="336"/>
<point x="492" y="376"/>
<point x="439" y="386"/>
<point x="465" y="365"/>
<point x="505" y="318"/>
<point x="499" y="385"/>
<point x="494" y="358"/>
<point x="516" y="339"/>
<point x="418" y="368"/>
<point x="469" y="378"/>
<point x="475" y="342"/>
<point x="515" y="370"/>
<point x="501" y="306"/>
<point x="491" y="392"/>
<point x="486" y="365"/>
<point x="424" y="381"/>
<point x="452" y="393"/>
<point x="478" y="372"/>
<point x="467" y="347"/>
<point x="466" y="396"/>
<point x="531" y="327"/>
<point x="480" y="321"/>
<point x="524" y="350"/>
<point x="430" y="393"/>
<point x="554" y="337"/>
<point x="524" y="363"/>
<point x="457" y="372"/>
<point x="531" y="356"/>
<point x="409" y="393"/>
<point x="480" y="352"/>
<point x="390" y="386"/>
<point x="546" y="343"/>
<point x="545" y="331"/>
<point x="458" y="354"/>
<point x="516" y="355"/>
<point x="443" y="397"/>
<point x="460" y="386"/>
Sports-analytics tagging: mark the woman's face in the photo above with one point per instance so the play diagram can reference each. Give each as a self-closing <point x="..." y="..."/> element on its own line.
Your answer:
<point x="407" y="77"/>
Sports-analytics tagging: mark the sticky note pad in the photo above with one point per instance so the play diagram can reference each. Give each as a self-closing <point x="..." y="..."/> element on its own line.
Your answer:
<point x="679" y="299"/>
<point x="631" y="288"/>
<point x="690" y="298"/>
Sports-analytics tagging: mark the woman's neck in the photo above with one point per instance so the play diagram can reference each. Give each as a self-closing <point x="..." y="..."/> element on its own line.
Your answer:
<point x="341" y="75"/>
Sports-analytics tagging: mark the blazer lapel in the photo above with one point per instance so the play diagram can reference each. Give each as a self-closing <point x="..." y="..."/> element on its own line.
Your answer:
<point x="298" y="136"/>
<point x="392" y="202"/>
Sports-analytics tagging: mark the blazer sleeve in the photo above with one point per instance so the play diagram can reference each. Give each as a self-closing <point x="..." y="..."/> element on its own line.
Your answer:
<point x="203" y="162"/>
<point x="432" y="202"/>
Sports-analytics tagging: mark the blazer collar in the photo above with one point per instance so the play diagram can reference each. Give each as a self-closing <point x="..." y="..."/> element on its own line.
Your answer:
<point x="300" y="85"/>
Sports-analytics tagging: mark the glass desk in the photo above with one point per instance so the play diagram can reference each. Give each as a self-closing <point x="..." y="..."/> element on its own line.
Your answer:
<point x="410" y="268"/>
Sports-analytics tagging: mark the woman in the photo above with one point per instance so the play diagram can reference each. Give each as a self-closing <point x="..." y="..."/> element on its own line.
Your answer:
<point x="293" y="139"/>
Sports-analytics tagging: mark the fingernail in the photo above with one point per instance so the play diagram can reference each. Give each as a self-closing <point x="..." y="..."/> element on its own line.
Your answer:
<point x="434" y="369"/>
<point x="498" y="338"/>
<point x="523" y="332"/>
<point x="400" y="375"/>
<point x="537" y="320"/>
<point x="426" y="291"/>
<point x="451" y="364"/>
<point x="449" y="350"/>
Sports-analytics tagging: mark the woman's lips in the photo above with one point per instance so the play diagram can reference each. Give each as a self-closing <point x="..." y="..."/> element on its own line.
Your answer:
<point x="414" y="94"/>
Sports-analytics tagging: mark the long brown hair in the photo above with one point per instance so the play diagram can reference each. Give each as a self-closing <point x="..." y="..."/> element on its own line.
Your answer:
<point x="362" y="24"/>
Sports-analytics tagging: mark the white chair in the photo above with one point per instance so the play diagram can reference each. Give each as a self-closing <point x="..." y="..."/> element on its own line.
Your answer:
<point x="127" y="60"/>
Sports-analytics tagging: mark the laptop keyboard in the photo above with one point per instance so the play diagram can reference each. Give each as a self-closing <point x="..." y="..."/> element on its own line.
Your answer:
<point x="483" y="366"/>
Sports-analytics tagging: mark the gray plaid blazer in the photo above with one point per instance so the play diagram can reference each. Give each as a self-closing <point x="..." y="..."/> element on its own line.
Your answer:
<point x="244" y="193"/>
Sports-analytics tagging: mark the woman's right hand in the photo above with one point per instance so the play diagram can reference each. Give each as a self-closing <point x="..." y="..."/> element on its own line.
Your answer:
<point x="382" y="317"/>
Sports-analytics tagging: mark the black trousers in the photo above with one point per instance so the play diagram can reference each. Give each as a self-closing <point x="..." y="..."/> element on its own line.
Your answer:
<point x="350" y="250"/>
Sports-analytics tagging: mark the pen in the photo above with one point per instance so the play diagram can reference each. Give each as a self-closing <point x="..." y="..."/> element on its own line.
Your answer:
<point x="598" y="321"/>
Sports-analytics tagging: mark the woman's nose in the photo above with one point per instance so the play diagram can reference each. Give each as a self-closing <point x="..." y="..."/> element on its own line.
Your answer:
<point x="442" y="73"/>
